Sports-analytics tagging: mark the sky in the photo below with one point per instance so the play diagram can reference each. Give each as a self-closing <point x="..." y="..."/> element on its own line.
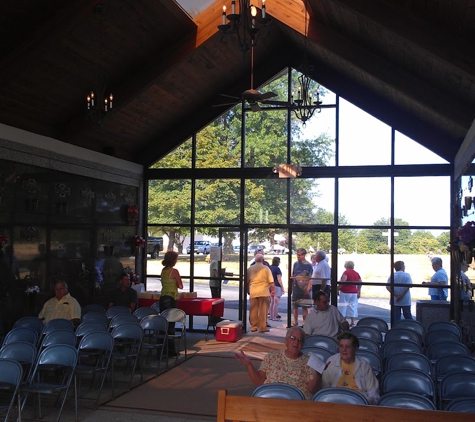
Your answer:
<point x="364" y="140"/>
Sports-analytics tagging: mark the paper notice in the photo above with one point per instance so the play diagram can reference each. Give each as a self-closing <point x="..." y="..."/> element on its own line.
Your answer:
<point x="316" y="363"/>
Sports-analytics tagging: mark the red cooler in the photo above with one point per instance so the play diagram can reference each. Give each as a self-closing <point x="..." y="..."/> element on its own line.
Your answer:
<point x="229" y="331"/>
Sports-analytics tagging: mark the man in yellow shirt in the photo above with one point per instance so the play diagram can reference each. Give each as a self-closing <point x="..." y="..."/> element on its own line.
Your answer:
<point x="63" y="305"/>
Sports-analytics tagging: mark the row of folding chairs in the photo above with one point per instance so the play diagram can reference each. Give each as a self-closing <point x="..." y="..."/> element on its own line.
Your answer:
<point x="95" y="351"/>
<point x="420" y="394"/>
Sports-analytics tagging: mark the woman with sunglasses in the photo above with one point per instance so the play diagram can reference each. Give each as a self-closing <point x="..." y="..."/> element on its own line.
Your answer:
<point x="288" y="366"/>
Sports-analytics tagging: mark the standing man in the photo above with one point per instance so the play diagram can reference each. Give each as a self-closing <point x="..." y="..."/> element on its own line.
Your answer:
<point x="402" y="295"/>
<point x="438" y="279"/>
<point x="63" y="305"/>
<point x="326" y="320"/>
<point x="215" y="281"/>
<point x="301" y="288"/>
<point x="260" y="287"/>
<point x="124" y="295"/>
<point x="321" y="276"/>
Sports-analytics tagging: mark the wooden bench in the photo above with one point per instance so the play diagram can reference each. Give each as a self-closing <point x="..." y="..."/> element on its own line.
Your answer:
<point x="250" y="409"/>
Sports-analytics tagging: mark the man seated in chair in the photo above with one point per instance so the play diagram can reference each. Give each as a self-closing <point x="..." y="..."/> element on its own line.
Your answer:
<point x="288" y="366"/>
<point x="63" y="305"/>
<point x="124" y="295"/>
<point x="326" y="319"/>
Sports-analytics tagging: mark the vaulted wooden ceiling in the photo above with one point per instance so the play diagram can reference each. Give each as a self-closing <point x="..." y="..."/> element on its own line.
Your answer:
<point x="410" y="63"/>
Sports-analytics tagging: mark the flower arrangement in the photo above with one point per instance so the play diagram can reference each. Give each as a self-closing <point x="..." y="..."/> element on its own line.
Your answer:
<point x="464" y="240"/>
<point x="139" y="241"/>
<point x="3" y="240"/>
<point x="132" y="215"/>
<point x="32" y="289"/>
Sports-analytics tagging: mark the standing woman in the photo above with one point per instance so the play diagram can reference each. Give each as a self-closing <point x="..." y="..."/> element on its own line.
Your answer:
<point x="279" y="289"/>
<point x="171" y="282"/>
<point x="349" y="293"/>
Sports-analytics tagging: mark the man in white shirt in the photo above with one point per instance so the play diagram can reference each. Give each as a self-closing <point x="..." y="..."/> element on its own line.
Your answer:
<point x="326" y="319"/>
<point x="321" y="277"/>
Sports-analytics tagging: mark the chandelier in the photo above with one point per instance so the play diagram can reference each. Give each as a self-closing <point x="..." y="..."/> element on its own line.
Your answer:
<point x="99" y="100"/>
<point x="306" y="102"/>
<point x="244" y="27"/>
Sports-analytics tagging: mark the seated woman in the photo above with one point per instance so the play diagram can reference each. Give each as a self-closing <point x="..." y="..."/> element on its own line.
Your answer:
<point x="345" y="369"/>
<point x="288" y="366"/>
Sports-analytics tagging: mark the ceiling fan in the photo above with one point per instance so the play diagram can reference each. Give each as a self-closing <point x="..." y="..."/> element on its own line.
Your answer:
<point x="252" y="96"/>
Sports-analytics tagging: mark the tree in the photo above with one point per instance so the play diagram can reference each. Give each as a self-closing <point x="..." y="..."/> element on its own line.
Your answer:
<point x="218" y="145"/>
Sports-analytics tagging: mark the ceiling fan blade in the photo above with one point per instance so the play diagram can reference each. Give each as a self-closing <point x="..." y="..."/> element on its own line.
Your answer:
<point x="230" y="96"/>
<point x="266" y="95"/>
<point x="226" y="104"/>
<point x="278" y="103"/>
<point x="255" y="107"/>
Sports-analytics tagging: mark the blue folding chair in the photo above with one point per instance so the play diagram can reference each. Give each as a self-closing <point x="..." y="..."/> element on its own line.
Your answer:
<point x="155" y="328"/>
<point x="395" y="334"/>
<point x="409" y="360"/>
<point x="367" y="331"/>
<point x="64" y="358"/>
<point x="446" y="326"/>
<point x="446" y="348"/>
<point x="409" y="381"/>
<point x="462" y="405"/>
<point x="145" y="311"/>
<point x="326" y="342"/>
<point x="116" y="310"/>
<point x="367" y="344"/>
<point x="340" y="395"/>
<point x="95" y="316"/>
<point x="392" y="347"/>
<point x="456" y="385"/>
<point x="95" y="352"/>
<point x="411" y="324"/>
<point x="93" y="307"/>
<point x="278" y="390"/>
<point x="11" y="376"/>
<point x="322" y="353"/>
<point x="122" y="319"/>
<point x="21" y="334"/>
<point x="127" y="347"/>
<point x="380" y="324"/>
<point x="23" y="352"/>
<point x="34" y="323"/>
<point x="406" y="400"/>
<point x="438" y="336"/>
<point x="373" y="359"/>
<point x="58" y="337"/>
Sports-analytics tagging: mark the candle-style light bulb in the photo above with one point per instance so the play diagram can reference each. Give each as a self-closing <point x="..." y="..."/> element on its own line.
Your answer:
<point x="233" y="7"/>
<point x="224" y="15"/>
<point x="111" y="97"/>
<point x="92" y="98"/>
<point x="105" y="104"/>
<point x="88" y="98"/>
<point x="263" y="9"/>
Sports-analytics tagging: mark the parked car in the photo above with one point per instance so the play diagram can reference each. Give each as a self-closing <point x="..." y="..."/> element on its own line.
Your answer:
<point x="201" y="246"/>
<point x="154" y="246"/>
<point x="252" y="248"/>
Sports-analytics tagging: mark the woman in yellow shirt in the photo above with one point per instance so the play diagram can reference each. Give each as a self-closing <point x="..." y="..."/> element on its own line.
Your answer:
<point x="171" y="282"/>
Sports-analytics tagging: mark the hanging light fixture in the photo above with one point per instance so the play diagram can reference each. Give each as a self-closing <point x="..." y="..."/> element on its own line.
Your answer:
<point x="99" y="101"/>
<point x="305" y="103"/>
<point x="244" y="27"/>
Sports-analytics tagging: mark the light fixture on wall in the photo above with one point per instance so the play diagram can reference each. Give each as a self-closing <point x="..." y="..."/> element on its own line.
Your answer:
<point x="244" y="27"/>
<point x="304" y="104"/>
<point x="99" y="101"/>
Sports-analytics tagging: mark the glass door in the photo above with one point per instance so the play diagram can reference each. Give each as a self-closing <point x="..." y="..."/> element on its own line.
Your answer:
<point x="229" y="271"/>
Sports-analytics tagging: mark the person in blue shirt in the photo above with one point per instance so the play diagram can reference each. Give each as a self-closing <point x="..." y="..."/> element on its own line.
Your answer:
<point x="402" y="296"/>
<point x="301" y="288"/>
<point x="438" y="279"/>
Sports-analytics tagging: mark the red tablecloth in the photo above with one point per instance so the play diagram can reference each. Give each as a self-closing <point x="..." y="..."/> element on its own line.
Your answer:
<point x="202" y="306"/>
